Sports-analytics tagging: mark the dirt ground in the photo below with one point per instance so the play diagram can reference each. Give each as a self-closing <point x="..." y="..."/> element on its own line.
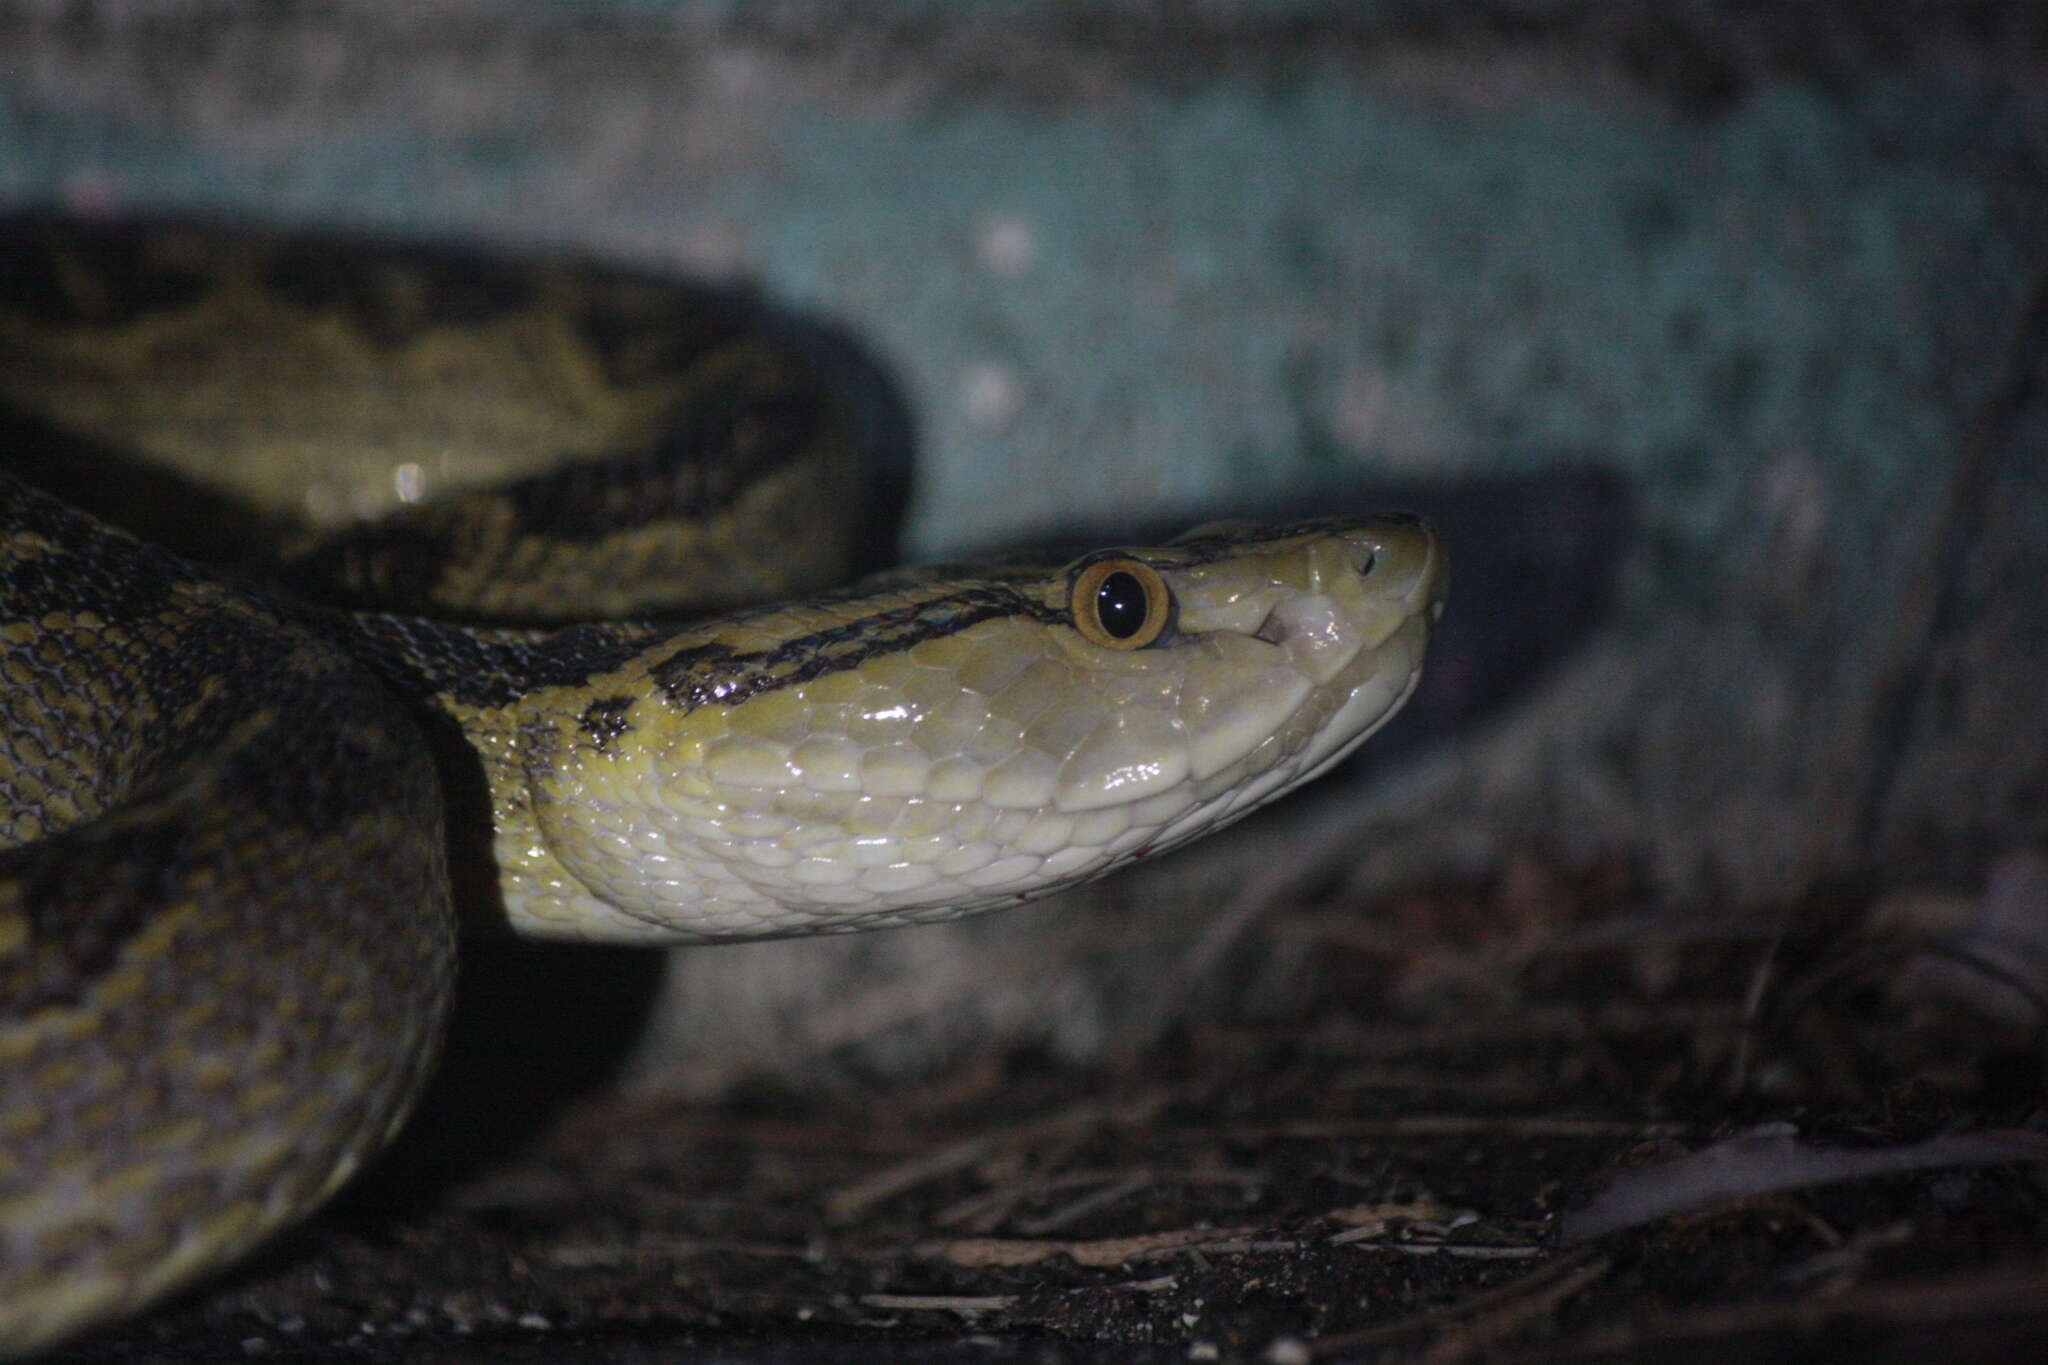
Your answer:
<point x="1520" y="1119"/>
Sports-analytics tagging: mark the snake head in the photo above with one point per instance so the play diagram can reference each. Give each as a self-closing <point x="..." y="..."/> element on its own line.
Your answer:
<point x="966" y="740"/>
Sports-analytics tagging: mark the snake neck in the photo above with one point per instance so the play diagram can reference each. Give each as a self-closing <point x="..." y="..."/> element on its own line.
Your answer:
<point x="451" y="667"/>
<point x="480" y="694"/>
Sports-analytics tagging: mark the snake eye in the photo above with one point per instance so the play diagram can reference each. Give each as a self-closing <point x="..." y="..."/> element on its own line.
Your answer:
<point x="1120" y="603"/>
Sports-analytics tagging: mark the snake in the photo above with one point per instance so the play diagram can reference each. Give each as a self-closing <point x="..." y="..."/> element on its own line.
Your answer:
<point x="250" y="806"/>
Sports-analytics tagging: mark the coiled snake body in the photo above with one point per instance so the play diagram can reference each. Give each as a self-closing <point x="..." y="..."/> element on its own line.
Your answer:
<point x="226" y="816"/>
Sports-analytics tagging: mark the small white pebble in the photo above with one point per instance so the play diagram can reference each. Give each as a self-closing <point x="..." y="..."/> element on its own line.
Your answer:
<point x="1204" y="1350"/>
<point x="534" y="1322"/>
<point x="1287" y="1351"/>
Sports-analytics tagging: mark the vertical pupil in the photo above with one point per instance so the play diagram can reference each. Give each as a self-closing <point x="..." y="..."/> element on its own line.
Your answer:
<point x="1120" y="604"/>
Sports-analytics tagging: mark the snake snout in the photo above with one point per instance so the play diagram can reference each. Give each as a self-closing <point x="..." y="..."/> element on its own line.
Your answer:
<point x="1402" y="554"/>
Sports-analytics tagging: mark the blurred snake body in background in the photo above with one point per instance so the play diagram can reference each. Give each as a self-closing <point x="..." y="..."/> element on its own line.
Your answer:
<point x="229" y="812"/>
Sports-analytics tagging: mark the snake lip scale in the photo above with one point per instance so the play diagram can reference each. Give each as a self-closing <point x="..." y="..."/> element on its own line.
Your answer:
<point x="227" y="816"/>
